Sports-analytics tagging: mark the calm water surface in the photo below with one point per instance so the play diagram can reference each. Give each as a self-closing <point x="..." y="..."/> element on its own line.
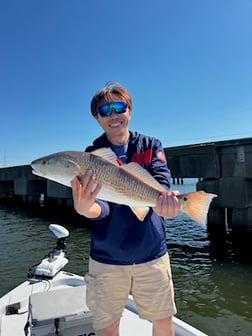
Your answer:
<point x="211" y="294"/>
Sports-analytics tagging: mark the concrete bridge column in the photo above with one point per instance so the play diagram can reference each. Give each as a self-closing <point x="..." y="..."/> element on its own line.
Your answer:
<point x="29" y="190"/>
<point x="230" y="214"/>
<point x="6" y="188"/>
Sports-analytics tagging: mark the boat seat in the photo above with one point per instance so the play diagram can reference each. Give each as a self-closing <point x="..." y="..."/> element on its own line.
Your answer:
<point x="58" y="303"/>
<point x="62" y="309"/>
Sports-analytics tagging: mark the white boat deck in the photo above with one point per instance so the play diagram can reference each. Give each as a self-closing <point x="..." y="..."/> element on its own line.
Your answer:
<point x="64" y="296"/>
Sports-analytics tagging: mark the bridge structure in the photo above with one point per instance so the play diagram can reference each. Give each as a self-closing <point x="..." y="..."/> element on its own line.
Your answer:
<point x="223" y="168"/>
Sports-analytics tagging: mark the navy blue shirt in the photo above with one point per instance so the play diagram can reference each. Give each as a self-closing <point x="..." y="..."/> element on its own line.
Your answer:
<point x="117" y="236"/>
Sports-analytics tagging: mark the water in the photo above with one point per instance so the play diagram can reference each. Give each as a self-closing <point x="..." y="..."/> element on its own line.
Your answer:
<point x="214" y="295"/>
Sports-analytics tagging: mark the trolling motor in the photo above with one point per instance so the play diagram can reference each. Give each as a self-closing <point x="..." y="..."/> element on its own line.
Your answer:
<point x="56" y="260"/>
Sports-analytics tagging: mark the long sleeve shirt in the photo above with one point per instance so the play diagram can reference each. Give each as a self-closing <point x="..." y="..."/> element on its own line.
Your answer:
<point x="117" y="236"/>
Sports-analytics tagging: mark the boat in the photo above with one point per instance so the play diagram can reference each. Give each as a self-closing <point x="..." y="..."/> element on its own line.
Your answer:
<point x="51" y="301"/>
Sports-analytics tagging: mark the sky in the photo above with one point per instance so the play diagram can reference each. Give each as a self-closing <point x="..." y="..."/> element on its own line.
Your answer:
<point x="186" y="63"/>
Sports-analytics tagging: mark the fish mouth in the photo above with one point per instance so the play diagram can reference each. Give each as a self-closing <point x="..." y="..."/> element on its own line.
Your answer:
<point x="35" y="172"/>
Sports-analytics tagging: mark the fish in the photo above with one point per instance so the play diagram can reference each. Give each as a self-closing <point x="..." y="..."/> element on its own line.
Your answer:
<point x="126" y="184"/>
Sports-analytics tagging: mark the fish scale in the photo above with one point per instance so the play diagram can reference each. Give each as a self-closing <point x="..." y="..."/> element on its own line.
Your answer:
<point x="115" y="177"/>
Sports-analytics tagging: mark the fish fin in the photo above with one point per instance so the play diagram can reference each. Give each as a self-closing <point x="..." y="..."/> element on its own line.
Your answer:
<point x="142" y="174"/>
<point x="196" y="205"/>
<point x="140" y="212"/>
<point x="107" y="154"/>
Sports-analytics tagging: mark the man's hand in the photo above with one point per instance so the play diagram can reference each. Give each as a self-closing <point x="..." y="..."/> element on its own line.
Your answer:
<point x="85" y="190"/>
<point x="167" y="204"/>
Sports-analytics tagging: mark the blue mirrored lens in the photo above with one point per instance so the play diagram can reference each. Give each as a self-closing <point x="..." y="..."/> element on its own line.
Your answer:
<point x="106" y="109"/>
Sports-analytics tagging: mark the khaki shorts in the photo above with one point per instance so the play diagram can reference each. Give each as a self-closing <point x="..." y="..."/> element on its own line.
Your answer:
<point x="150" y="284"/>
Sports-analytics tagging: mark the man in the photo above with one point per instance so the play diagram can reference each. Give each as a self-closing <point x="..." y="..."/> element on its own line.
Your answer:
<point x="127" y="255"/>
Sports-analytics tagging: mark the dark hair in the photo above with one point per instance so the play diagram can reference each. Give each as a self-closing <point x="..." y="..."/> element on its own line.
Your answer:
<point x="110" y="88"/>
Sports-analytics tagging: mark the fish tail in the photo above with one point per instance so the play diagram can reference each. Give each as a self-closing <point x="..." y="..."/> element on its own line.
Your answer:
<point x="196" y="205"/>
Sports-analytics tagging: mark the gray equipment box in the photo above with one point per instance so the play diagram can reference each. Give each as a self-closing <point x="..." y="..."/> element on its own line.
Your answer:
<point x="61" y="312"/>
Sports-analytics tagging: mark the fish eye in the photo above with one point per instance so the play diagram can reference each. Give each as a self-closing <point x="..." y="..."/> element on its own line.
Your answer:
<point x="44" y="162"/>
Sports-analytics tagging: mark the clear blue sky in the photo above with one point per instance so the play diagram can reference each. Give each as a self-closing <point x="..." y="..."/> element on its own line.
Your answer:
<point x="186" y="63"/>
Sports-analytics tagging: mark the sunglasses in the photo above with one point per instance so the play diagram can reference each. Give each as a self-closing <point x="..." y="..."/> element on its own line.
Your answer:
<point x="106" y="109"/>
